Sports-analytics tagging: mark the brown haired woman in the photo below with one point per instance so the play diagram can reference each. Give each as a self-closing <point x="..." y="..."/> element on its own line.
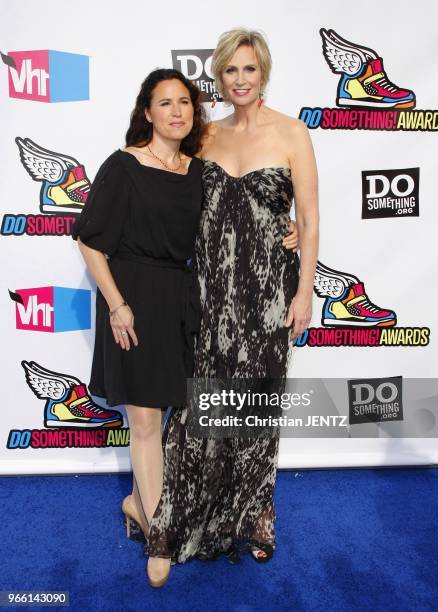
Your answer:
<point x="143" y="212"/>
<point x="218" y="493"/>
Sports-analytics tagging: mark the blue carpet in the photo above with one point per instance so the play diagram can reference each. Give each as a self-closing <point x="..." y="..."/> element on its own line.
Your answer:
<point x="350" y="540"/>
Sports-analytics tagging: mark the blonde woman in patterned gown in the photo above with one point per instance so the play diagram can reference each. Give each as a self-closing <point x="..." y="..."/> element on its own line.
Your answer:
<point x="256" y="298"/>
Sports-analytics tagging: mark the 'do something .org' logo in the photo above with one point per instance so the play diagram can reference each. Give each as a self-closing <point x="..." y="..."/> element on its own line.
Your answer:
<point x="350" y="318"/>
<point x="63" y="193"/>
<point x="52" y="309"/>
<point x="390" y="193"/>
<point x="374" y="400"/>
<point x="48" y="76"/>
<point x="195" y="64"/>
<point x="366" y="97"/>
<point x="71" y="418"/>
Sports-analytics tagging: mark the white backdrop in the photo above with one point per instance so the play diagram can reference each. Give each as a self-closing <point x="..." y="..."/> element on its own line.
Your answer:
<point x="395" y="258"/>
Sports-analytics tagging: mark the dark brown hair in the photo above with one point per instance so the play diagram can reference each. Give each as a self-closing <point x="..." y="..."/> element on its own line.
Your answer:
<point x="140" y="131"/>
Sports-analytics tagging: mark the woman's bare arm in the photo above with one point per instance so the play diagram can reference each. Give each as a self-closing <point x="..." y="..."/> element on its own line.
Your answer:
<point x="123" y="319"/>
<point x="305" y="182"/>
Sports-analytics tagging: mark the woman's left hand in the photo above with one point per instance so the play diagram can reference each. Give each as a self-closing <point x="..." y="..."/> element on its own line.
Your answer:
<point x="291" y="240"/>
<point x="299" y="315"/>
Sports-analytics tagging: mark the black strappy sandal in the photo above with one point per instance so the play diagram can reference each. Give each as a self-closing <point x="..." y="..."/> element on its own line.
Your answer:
<point x="233" y="555"/>
<point x="262" y="553"/>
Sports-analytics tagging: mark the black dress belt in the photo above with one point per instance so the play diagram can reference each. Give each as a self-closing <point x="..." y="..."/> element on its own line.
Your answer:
<point x="190" y="300"/>
<point x="151" y="261"/>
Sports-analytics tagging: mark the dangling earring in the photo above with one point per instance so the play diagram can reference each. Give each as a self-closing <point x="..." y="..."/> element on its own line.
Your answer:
<point x="213" y="104"/>
<point x="260" y="98"/>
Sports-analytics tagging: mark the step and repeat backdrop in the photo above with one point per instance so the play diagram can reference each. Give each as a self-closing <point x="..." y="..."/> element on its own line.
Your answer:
<point x="364" y="82"/>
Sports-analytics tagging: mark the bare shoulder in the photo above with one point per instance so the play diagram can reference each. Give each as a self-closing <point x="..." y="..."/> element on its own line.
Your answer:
<point x="285" y="126"/>
<point x="295" y="136"/>
<point x="297" y="126"/>
<point x="289" y="125"/>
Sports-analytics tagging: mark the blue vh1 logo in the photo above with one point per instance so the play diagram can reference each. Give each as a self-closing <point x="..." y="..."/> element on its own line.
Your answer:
<point x="48" y="76"/>
<point x="52" y="309"/>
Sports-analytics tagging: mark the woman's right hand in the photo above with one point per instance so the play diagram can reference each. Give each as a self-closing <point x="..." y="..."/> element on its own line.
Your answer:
<point x="292" y="239"/>
<point x="122" y="324"/>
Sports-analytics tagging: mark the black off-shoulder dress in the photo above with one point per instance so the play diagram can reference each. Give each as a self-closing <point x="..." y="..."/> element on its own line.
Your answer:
<point x="146" y="220"/>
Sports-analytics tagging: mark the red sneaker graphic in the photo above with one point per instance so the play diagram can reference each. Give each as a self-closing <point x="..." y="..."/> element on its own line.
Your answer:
<point x="364" y="82"/>
<point x="346" y="303"/>
<point x="68" y="403"/>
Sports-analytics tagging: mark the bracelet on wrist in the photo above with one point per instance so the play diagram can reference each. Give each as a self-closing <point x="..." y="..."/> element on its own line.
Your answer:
<point x="113" y="312"/>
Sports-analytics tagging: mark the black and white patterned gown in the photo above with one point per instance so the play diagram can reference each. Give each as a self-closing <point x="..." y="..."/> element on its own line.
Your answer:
<point x="219" y="492"/>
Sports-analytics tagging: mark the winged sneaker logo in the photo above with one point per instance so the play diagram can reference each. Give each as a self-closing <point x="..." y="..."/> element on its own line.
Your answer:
<point x="68" y="403"/>
<point x="71" y="417"/>
<point x="363" y="81"/>
<point x="64" y="184"/>
<point x="350" y="318"/>
<point x="366" y="97"/>
<point x="64" y="190"/>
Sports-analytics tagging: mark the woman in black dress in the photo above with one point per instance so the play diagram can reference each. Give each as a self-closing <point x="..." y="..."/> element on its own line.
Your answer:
<point x="143" y="213"/>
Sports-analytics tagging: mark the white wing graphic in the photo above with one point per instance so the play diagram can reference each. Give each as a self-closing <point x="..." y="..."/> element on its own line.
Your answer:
<point x="342" y="56"/>
<point x="331" y="283"/>
<point x="42" y="164"/>
<point x="45" y="383"/>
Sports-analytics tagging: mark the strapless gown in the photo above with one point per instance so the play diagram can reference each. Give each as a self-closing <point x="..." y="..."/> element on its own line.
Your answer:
<point x="218" y="493"/>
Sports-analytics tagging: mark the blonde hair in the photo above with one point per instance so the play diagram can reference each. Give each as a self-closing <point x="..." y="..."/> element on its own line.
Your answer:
<point x="227" y="46"/>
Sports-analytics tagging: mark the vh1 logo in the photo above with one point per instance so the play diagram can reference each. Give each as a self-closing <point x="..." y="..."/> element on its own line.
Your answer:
<point x="52" y="309"/>
<point x="49" y="76"/>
